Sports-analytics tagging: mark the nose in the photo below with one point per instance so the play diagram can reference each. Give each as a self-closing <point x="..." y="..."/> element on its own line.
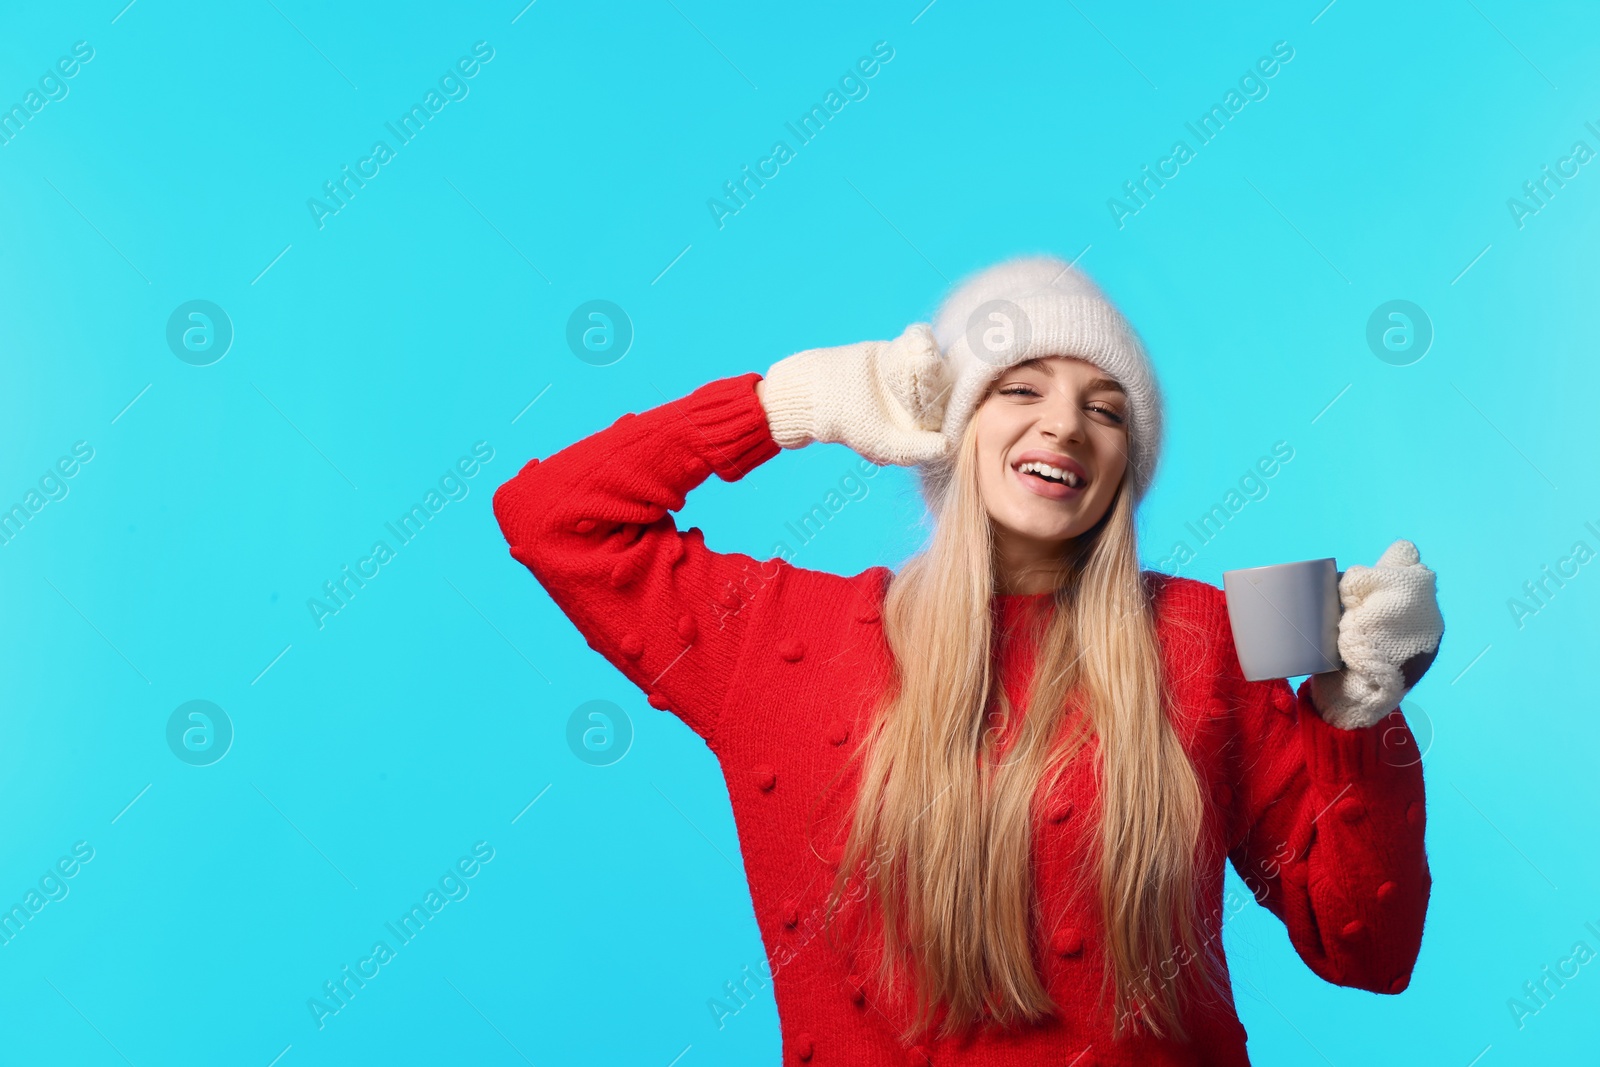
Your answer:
<point x="1061" y="417"/>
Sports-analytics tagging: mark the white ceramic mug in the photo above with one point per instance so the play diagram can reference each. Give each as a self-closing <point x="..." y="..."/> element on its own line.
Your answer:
<point x="1285" y="618"/>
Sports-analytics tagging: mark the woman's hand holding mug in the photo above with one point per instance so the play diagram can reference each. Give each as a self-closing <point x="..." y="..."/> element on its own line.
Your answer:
<point x="1365" y="636"/>
<point x="1389" y="635"/>
<point x="883" y="399"/>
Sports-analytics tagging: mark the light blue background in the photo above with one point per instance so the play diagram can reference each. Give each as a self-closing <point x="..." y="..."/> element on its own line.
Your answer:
<point x="427" y="314"/>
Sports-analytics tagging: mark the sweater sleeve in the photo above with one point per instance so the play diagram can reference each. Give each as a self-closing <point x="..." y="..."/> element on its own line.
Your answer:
<point x="1327" y="827"/>
<point x="591" y="522"/>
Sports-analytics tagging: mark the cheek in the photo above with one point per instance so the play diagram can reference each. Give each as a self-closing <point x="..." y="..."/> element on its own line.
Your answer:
<point x="1111" y="449"/>
<point x="989" y="480"/>
<point x="990" y="445"/>
<point x="989" y="458"/>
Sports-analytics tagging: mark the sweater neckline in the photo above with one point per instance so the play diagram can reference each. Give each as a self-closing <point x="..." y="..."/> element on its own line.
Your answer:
<point x="1023" y="598"/>
<point x="1011" y="610"/>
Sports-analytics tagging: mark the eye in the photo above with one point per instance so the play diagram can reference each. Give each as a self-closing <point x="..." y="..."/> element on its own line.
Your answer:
<point x="1019" y="389"/>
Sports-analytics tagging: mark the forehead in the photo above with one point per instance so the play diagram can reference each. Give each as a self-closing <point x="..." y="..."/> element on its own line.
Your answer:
<point x="1051" y="365"/>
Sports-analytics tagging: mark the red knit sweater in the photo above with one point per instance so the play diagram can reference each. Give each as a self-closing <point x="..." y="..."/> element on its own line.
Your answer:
<point x="774" y="666"/>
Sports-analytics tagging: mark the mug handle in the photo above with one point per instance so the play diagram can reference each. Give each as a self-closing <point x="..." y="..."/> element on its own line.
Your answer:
<point x="1338" y="576"/>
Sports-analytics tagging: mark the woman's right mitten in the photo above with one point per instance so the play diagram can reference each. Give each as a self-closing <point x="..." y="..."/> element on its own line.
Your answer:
<point x="883" y="399"/>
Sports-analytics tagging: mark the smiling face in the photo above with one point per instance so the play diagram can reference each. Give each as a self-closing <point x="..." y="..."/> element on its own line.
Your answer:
<point x="1052" y="447"/>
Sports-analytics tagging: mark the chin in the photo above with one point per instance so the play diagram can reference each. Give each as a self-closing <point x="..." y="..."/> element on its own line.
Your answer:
<point x="1029" y="524"/>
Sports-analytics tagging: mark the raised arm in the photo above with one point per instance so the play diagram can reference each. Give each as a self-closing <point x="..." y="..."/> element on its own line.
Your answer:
<point x="1327" y="827"/>
<point x="591" y="522"/>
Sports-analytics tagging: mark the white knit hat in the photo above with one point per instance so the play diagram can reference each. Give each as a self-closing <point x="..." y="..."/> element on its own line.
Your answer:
<point x="1030" y="307"/>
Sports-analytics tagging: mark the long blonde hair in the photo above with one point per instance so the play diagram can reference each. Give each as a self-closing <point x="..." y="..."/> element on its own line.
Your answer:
<point x="950" y="831"/>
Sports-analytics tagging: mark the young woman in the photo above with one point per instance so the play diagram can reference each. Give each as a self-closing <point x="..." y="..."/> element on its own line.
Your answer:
<point x="985" y="802"/>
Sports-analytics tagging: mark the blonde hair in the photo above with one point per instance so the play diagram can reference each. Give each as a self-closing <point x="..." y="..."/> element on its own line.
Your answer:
<point x="950" y="831"/>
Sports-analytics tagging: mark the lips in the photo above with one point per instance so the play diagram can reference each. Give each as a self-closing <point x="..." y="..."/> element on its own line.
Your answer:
<point x="1051" y="459"/>
<point x="1049" y="490"/>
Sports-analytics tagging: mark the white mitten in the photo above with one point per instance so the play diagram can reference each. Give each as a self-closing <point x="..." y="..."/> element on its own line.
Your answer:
<point x="884" y="399"/>
<point x="1388" y="636"/>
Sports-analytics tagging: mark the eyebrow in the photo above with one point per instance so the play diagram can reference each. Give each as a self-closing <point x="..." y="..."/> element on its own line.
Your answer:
<point x="1093" y="385"/>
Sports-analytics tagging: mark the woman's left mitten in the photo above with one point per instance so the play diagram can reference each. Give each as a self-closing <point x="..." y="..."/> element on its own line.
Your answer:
<point x="1389" y="635"/>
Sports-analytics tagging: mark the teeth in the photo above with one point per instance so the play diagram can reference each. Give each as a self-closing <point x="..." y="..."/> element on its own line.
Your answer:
<point x="1053" y="473"/>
